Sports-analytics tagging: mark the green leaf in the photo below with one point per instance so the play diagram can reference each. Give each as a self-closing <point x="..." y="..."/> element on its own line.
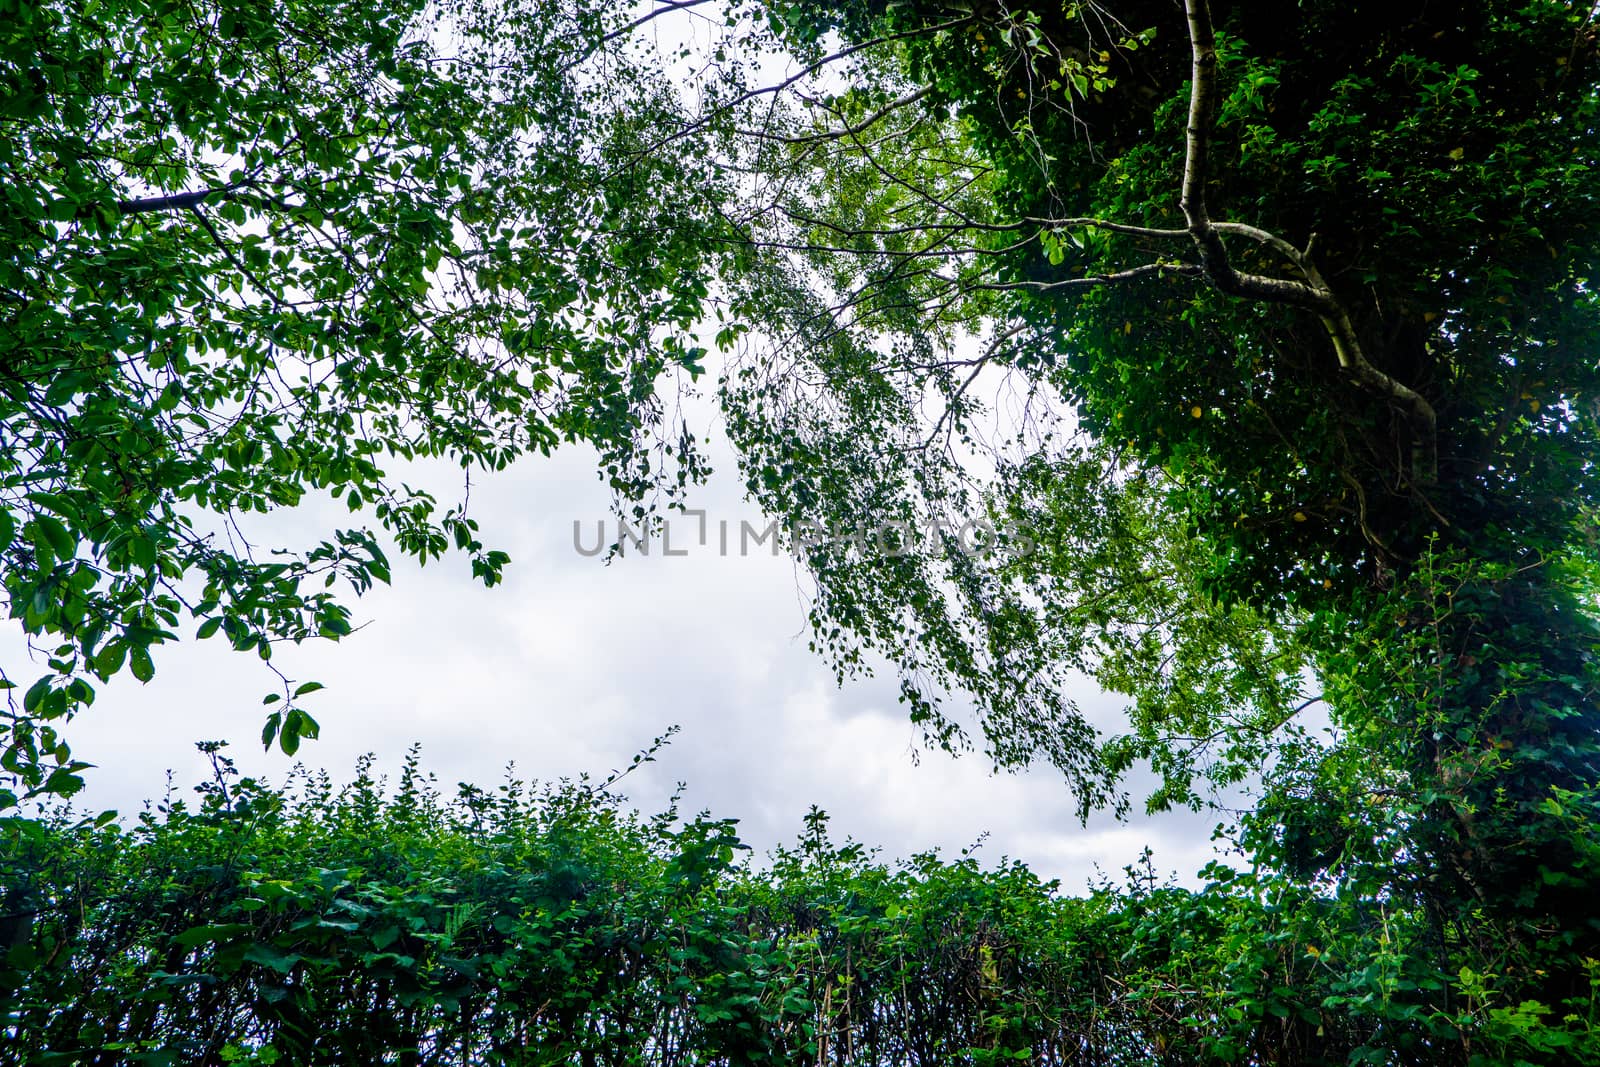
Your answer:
<point x="272" y="957"/>
<point x="33" y="699"/>
<point x="55" y="532"/>
<point x="109" y="659"/>
<point x="269" y="731"/>
<point x="212" y="934"/>
<point x="140" y="664"/>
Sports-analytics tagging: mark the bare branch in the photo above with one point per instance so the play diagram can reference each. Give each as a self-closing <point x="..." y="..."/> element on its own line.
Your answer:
<point x="801" y="75"/>
<point x="865" y="124"/>
<point x="664" y="7"/>
<point x="952" y="410"/>
<point x="1109" y="227"/>
<point x="1158" y="269"/>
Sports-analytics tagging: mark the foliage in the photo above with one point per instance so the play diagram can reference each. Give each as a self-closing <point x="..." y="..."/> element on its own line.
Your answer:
<point x="359" y="924"/>
<point x="999" y="190"/>
<point x="257" y="251"/>
<point x="1323" y="317"/>
<point x="1287" y="329"/>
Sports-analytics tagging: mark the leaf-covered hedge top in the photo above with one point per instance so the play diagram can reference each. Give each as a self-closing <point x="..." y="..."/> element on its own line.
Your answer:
<point x="548" y="924"/>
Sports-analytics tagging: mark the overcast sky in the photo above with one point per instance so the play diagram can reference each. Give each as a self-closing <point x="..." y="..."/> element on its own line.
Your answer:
<point x="572" y="665"/>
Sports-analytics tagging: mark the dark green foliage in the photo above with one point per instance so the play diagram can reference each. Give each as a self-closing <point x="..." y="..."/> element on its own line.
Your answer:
<point x="357" y="925"/>
<point x="1320" y="291"/>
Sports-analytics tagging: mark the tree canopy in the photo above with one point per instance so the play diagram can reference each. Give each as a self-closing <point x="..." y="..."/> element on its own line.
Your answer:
<point x="1320" y="294"/>
<point x="258" y="250"/>
<point x="1265" y="347"/>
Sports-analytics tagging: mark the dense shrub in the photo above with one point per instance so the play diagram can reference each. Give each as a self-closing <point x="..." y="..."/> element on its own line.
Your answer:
<point x="364" y="924"/>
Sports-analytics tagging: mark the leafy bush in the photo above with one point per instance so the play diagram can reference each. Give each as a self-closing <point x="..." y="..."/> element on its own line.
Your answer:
<point x="364" y="924"/>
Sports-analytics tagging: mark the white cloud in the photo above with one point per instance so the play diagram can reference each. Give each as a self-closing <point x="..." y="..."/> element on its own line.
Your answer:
<point x="573" y="665"/>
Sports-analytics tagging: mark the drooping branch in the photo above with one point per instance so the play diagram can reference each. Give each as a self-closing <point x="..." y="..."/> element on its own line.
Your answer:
<point x="860" y="127"/>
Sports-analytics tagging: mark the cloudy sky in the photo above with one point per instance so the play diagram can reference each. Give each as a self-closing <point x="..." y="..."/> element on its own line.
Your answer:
<point x="573" y="665"/>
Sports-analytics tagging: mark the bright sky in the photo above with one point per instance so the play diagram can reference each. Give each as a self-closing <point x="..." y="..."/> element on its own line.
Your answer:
<point x="573" y="665"/>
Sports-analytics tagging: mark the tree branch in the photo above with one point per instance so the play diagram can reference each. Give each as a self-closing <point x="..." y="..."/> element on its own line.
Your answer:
<point x="774" y="89"/>
<point x="1314" y="293"/>
<point x="865" y="124"/>
<point x="1144" y="270"/>
<point x="664" y="8"/>
<point x="174" y="202"/>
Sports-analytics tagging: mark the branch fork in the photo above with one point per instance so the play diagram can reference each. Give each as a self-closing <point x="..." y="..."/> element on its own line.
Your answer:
<point x="1313" y="292"/>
